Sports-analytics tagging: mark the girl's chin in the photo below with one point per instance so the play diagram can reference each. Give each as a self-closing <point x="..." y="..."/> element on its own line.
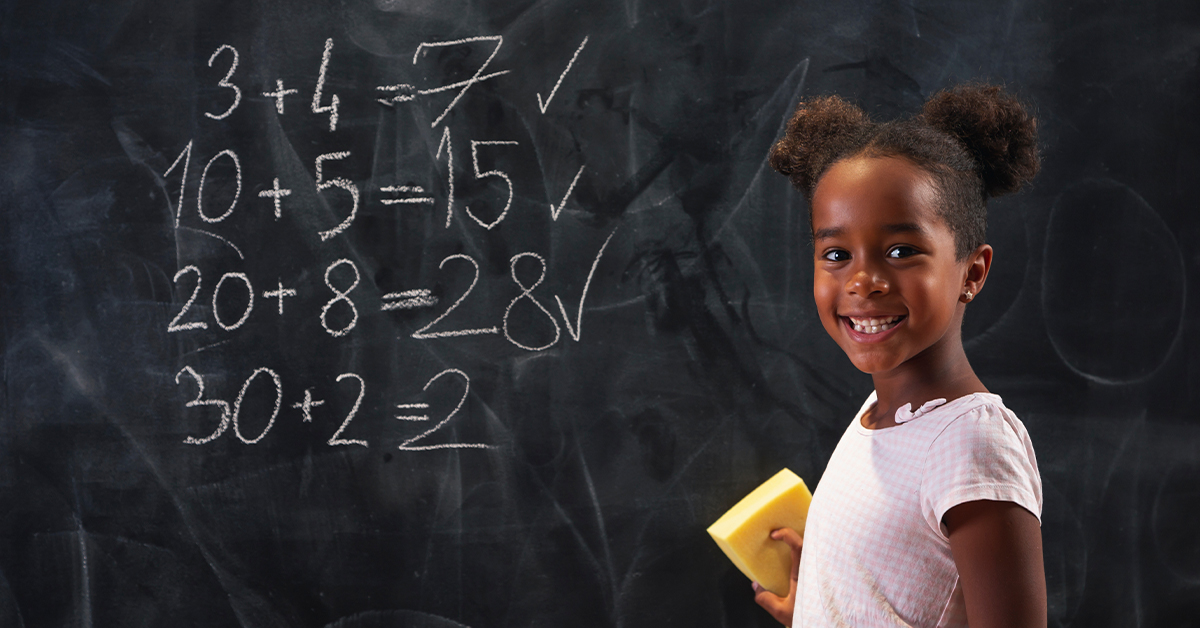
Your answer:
<point x="873" y="364"/>
<point x="871" y="369"/>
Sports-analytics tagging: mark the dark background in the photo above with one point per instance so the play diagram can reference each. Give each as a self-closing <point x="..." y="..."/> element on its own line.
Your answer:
<point x="701" y="367"/>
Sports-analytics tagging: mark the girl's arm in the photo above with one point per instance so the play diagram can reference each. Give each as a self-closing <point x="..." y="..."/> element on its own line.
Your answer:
<point x="997" y="547"/>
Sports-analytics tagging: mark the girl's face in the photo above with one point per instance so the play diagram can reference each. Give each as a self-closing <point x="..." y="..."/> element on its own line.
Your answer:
<point x="886" y="281"/>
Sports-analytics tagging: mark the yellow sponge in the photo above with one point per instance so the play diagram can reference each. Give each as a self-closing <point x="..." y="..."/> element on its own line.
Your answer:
<point x="744" y="532"/>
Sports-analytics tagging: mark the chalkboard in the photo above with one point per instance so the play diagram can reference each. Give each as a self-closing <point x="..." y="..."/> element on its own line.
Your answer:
<point x="477" y="313"/>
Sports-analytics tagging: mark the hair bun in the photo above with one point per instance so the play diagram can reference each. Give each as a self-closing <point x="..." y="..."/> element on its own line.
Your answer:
<point x="819" y="127"/>
<point x="995" y="127"/>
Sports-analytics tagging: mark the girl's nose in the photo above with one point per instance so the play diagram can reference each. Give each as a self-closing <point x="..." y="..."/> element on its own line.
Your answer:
<point x="866" y="282"/>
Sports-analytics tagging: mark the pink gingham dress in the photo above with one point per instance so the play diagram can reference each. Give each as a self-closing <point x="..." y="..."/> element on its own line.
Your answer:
<point x="875" y="550"/>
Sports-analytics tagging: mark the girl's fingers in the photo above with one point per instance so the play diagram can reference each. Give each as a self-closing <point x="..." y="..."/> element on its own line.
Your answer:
<point x="769" y="601"/>
<point x="780" y="608"/>
<point x="789" y="536"/>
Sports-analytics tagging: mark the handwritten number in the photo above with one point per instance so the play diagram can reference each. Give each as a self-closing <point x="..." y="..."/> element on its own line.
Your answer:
<point x="345" y="184"/>
<point x="249" y="300"/>
<point x="237" y="93"/>
<point x="362" y="388"/>
<point x="237" y="168"/>
<point x="478" y="77"/>
<point x="174" y="325"/>
<point x="186" y="156"/>
<point x="424" y="332"/>
<point x="475" y="144"/>
<point x="527" y="293"/>
<point x="340" y="295"/>
<point x="332" y="107"/>
<point x="445" y="141"/>
<point x="201" y="401"/>
<point x="237" y="405"/>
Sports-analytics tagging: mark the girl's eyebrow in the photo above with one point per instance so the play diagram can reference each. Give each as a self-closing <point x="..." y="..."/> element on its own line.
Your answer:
<point x="898" y="227"/>
<point x="903" y="227"/>
<point x="828" y="232"/>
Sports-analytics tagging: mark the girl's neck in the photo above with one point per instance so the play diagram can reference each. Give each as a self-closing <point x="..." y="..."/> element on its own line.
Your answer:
<point x="941" y="372"/>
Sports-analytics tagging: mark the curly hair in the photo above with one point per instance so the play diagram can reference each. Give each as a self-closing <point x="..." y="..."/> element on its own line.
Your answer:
<point x="976" y="141"/>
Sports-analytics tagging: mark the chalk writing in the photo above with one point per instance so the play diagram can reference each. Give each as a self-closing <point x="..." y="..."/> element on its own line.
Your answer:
<point x="404" y="93"/>
<point x="249" y="301"/>
<point x="445" y="141"/>
<point x="340" y="295"/>
<point x="424" y="333"/>
<point x="186" y="156"/>
<point x="415" y="189"/>
<point x="332" y="107"/>
<point x="362" y="389"/>
<point x="307" y="404"/>
<point x="475" y="144"/>
<point x="408" y="300"/>
<point x="407" y="445"/>
<point x="478" y="77"/>
<point x="201" y="401"/>
<point x="345" y="184"/>
<point x="279" y="293"/>
<point x="527" y="293"/>
<point x="175" y="325"/>
<point x="204" y="177"/>
<point x="275" y="194"/>
<point x="237" y="93"/>
<point x="555" y="211"/>
<point x="544" y="105"/>
<point x="412" y="406"/>
<point x="237" y="405"/>
<point x="577" y="331"/>
<point x="218" y="191"/>
<point x="279" y="94"/>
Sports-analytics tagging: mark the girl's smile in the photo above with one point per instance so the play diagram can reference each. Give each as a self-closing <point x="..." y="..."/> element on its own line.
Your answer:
<point x="887" y="282"/>
<point x="871" y="328"/>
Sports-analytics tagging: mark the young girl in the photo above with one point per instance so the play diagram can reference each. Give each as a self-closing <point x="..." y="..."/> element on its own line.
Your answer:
<point x="928" y="512"/>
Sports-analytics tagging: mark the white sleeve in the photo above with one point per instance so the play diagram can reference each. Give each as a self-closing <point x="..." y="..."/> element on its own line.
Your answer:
<point x="984" y="454"/>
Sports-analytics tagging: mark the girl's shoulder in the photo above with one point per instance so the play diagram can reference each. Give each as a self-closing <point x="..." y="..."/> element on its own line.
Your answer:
<point x="979" y="449"/>
<point x="978" y="422"/>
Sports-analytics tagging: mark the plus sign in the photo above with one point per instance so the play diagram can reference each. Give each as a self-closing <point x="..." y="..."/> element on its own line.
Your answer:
<point x="307" y="405"/>
<point x="279" y="294"/>
<point x="278" y="95"/>
<point x="276" y="194"/>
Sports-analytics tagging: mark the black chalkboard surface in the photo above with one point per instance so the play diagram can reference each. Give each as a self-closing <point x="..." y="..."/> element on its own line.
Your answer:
<point x="473" y="313"/>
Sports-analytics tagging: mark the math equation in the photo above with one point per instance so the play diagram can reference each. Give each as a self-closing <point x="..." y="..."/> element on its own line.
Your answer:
<point x="208" y="186"/>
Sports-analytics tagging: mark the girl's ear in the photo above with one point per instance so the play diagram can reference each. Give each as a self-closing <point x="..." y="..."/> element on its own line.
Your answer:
<point x="978" y="263"/>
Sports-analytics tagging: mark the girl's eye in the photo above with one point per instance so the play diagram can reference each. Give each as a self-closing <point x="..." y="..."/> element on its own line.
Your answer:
<point x="836" y="255"/>
<point x="901" y="252"/>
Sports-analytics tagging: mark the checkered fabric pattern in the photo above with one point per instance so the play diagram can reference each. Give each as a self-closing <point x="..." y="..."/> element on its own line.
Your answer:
<point x="875" y="550"/>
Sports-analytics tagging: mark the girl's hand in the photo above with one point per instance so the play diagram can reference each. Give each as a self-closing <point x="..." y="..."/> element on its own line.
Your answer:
<point x="782" y="608"/>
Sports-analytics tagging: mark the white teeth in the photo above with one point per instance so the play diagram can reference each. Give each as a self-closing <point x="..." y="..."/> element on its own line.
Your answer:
<point x="874" y="325"/>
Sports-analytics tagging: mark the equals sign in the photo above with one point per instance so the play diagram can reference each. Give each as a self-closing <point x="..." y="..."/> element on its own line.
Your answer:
<point x="408" y="300"/>
<point x="413" y="417"/>
<point x="414" y="189"/>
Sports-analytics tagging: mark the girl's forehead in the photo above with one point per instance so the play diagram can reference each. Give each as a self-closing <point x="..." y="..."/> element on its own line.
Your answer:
<point x="871" y="190"/>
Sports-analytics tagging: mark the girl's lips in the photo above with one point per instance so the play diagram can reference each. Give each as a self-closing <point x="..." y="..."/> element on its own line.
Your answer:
<point x="858" y="336"/>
